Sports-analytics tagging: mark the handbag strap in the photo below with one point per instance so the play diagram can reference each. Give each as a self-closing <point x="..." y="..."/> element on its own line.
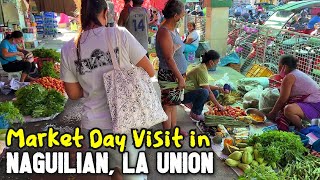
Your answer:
<point x="115" y="63"/>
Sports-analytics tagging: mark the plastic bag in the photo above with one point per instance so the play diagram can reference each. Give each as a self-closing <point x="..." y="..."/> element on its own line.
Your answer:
<point x="225" y="80"/>
<point x="251" y="99"/>
<point x="263" y="81"/>
<point x="268" y="99"/>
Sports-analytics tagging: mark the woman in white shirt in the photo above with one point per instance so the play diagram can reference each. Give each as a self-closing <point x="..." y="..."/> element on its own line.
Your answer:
<point x="192" y="40"/>
<point x="85" y="60"/>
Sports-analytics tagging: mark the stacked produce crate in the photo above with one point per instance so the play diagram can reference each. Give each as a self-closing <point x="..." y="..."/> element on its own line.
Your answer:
<point x="50" y="24"/>
<point x="40" y="24"/>
<point x="30" y="37"/>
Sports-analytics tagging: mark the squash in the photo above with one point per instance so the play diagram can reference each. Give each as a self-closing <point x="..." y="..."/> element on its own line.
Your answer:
<point x="228" y="141"/>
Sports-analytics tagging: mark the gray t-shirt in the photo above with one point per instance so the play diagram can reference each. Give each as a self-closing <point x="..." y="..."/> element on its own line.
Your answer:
<point x="178" y="56"/>
<point x="137" y="25"/>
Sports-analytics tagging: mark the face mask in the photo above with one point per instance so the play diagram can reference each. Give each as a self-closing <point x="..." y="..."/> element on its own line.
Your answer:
<point x="283" y="72"/>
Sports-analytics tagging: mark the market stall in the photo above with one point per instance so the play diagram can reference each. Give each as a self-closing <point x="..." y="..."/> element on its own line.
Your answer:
<point x="249" y="143"/>
<point x="41" y="100"/>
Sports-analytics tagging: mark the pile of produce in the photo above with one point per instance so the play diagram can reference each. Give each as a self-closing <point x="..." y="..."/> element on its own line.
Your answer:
<point x="51" y="83"/>
<point x="229" y="99"/>
<point x="229" y="111"/>
<point x="172" y="85"/>
<point x="260" y="173"/>
<point x="246" y="156"/>
<point x="37" y="101"/>
<point x="47" y="53"/>
<point x="250" y="118"/>
<point x="223" y="120"/>
<point x="307" y="168"/>
<point x="279" y="147"/>
<point x="49" y="69"/>
<point x="10" y="113"/>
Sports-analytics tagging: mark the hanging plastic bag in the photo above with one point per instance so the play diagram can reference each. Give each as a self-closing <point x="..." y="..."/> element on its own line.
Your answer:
<point x="224" y="80"/>
<point x="251" y="99"/>
<point x="268" y="99"/>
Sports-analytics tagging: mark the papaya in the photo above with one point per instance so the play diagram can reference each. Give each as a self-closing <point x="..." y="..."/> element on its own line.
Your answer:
<point x="260" y="160"/>
<point x="242" y="145"/>
<point x="243" y="167"/>
<point x="249" y="149"/>
<point x="254" y="163"/>
<point x="231" y="162"/>
<point x="236" y="155"/>
<point x="247" y="157"/>
<point x="256" y="154"/>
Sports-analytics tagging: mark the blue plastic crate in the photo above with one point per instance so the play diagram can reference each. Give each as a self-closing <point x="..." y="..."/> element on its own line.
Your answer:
<point x="3" y="123"/>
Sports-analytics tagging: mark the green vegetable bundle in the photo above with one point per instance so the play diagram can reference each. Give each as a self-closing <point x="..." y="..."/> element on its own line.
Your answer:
<point x="47" y="53"/>
<point x="279" y="147"/>
<point x="307" y="168"/>
<point x="173" y="85"/>
<point x="260" y="173"/>
<point x="37" y="101"/>
<point x="47" y="70"/>
<point x="10" y="113"/>
<point x="223" y="120"/>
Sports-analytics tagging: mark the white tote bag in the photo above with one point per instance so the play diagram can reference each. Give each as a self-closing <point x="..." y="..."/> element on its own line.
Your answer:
<point x="132" y="98"/>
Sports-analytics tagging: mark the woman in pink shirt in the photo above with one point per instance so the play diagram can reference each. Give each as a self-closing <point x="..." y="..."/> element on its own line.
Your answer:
<point x="299" y="96"/>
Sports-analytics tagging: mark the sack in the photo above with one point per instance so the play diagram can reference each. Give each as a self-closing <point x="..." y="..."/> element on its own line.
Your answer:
<point x="251" y="99"/>
<point x="268" y="99"/>
<point x="132" y="99"/>
<point x="224" y="80"/>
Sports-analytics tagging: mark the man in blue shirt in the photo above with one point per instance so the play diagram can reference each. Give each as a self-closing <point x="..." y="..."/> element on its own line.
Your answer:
<point x="313" y="21"/>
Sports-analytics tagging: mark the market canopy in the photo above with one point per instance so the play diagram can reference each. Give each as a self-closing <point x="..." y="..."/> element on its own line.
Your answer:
<point x="158" y="4"/>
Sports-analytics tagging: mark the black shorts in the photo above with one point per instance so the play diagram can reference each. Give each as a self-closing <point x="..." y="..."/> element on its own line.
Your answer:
<point x="16" y="66"/>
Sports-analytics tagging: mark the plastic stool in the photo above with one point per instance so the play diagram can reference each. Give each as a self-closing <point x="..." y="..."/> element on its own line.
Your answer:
<point x="15" y="75"/>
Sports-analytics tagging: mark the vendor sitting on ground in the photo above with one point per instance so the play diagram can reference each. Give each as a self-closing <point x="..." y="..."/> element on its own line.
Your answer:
<point x="202" y="91"/>
<point x="9" y="52"/>
<point x="192" y="40"/>
<point x="299" y="96"/>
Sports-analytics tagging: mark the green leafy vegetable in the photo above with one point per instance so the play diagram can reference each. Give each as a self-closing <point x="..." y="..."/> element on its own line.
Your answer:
<point x="9" y="112"/>
<point x="47" y="70"/>
<point x="47" y="53"/>
<point x="36" y="101"/>
<point x="304" y="168"/>
<point x="279" y="147"/>
<point x="260" y="173"/>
